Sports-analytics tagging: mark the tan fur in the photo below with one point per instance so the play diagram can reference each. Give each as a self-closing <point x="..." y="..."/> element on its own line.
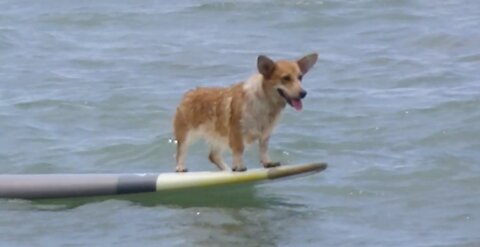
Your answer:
<point x="240" y="114"/>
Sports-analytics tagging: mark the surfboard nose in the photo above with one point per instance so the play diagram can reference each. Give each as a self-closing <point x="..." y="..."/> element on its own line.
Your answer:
<point x="285" y="171"/>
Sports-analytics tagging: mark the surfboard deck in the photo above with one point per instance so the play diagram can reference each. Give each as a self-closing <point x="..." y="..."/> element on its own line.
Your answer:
<point x="51" y="186"/>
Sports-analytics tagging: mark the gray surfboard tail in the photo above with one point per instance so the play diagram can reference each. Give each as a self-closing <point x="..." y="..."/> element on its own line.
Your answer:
<point x="51" y="186"/>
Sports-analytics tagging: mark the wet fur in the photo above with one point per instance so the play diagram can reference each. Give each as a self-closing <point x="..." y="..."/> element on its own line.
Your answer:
<point x="236" y="116"/>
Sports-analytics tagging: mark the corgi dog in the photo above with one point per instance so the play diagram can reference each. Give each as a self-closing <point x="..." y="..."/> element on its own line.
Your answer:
<point x="233" y="117"/>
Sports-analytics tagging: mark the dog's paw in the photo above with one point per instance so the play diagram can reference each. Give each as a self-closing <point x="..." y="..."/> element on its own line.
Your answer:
<point x="272" y="164"/>
<point x="181" y="170"/>
<point x="241" y="169"/>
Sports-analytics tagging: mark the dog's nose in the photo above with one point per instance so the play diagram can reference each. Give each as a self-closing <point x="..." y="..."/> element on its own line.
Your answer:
<point x="303" y="94"/>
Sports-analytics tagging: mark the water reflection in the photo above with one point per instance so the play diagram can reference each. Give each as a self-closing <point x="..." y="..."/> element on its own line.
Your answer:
<point x="229" y="216"/>
<point x="233" y="227"/>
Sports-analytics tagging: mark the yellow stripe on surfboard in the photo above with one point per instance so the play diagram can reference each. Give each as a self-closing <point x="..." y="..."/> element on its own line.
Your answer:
<point x="168" y="181"/>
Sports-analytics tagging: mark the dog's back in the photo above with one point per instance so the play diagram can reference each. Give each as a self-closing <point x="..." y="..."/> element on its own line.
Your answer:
<point x="203" y="112"/>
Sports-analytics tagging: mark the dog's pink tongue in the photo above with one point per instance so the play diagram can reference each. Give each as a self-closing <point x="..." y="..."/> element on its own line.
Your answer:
<point x="297" y="104"/>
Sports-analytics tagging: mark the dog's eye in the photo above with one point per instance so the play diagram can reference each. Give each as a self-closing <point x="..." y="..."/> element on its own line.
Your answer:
<point x="287" y="78"/>
<point x="300" y="77"/>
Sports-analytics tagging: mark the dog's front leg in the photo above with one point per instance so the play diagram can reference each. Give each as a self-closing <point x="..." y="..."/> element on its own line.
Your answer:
<point x="237" y="147"/>
<point x="264" y="158"/>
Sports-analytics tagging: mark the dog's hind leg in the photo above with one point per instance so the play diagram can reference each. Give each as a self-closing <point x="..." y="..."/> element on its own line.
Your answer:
<point x="181" y="154"/>
<point x="215" y="157"/>
<point x="181" y="135"/>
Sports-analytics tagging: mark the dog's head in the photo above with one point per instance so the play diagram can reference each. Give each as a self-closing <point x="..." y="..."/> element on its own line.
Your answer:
<point x="285" y="77"/>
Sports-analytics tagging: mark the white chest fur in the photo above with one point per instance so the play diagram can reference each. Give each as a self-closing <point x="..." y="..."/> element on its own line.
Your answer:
<point x="257" y="118"/>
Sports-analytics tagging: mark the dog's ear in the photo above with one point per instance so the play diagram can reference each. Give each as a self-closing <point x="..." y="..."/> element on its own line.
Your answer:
<point x="265" y="66"/>
<point x="307" y="62"/>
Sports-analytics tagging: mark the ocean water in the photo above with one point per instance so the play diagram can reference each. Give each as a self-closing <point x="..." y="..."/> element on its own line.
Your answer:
<point x="393" y="107"/>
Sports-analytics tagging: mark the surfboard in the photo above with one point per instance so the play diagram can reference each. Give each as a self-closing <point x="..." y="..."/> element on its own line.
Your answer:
<point x="52" y="186"/>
